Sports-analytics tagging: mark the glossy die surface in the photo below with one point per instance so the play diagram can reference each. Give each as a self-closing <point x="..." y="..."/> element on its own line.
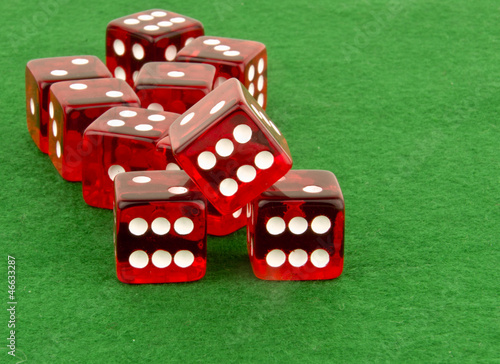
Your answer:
<point x="40" y="75"/>
<point x="296" y="228"/>
<point x="229" y="147"/>
<point x="245" y="60"/>
<point x="173" y="86"/>
<point x="123" y="139"/>
<point x="148" y="36"/>
<point x="224" y="224"/>
<point x="73" y="106"/>
<point x="160" y="231"/>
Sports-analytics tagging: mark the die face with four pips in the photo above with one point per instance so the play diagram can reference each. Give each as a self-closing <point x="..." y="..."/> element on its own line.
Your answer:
<point x="148" y="36"/>
<point x="229" y="147"/>
<point x="41" y="74"/>
<point x="296" y="228"/>
<point x="160" y="227"/>
<point x="123" y="139"/>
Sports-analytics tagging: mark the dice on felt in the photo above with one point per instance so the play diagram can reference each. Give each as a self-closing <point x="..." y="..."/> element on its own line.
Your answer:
<point x="173" y="86"/>
<point x="229" y="147"/>
<point x="224" y="224"/>
<point x="296" y="228"/>
<point x="245" y="60"/>
<point x="123" y="139"/>
<point x="148" y="36"/>
<point x="73" y="106"/>
<point x="44" y="72"/>
<point x="160" y="231"/>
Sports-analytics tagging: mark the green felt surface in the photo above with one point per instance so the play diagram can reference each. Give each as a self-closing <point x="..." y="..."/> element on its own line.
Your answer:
<point x="400" y="99"/>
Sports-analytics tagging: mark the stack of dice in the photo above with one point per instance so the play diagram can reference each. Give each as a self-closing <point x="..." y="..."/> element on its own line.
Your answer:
<point x="172" y="135"/>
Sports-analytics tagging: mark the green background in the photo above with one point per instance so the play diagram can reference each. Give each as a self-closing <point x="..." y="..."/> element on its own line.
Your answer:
<point x="400" y="99"/>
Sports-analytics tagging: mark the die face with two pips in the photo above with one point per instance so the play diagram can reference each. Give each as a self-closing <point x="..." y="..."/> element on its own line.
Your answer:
<point x="229" y="147"/>
<point x="123" y="139"/>
<point x="160" y="228"/>
<point x="148" y="36"/>
<point x="296" y="228"/>
<point x="41" y="74"/>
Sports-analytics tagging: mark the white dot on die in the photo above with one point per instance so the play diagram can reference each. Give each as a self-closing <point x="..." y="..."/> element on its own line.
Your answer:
<point x="128" y="113"/>
<point x="176" y="74"/>
<point x="222" y="48"/>
<point x="206" y="160"/>
<point x="260" y="100"/>
<point x="120" y="73"/>
<point x="187" y="118"/>
<point x="59" y="73"/>
<point x="231" y="53"/>
<point x="264" y="160"/>
<point x="114" y="170"/>
<point x="161" y="259"/>
<point x="246" y="173"/>
<point x="138" y="226"/>
<point x="156" y="117"/>
<point x="119" y="47"/>
<point x="178" y="20"/>
<point x="297" y="258"/>
<point x="228" y="187"/>
<point x="138" y="259"/>
<point x="320" y="258"/>
<point x="158" y="14"/>
<point x="54" y="128"/>
<point x="183" y="258"/>
<point x="177" y="190"/>
<point x="237" y="214"/>
<point x="151" y="28"/>
<point x="32" y="107"/>
<point x="275" y="258"/>
<point x="321" y="224"/>
<point x="211" y="41"/>
<point x="189" y="40"/>
<point x="145" y="17"/>
<point x="143" y="127"/>
<point x="165" y="24"/>
<point x="80" y="61"/>
<point x="51" y="110"/>
<point x="170" y="52"/>
<point x="251" y="89"/>
<point x="275" y="225"/>
<point x="141" y="179"/>
<point x="312" y="189"/>
<point x="134" y="75"/>
<point x="78" y="86"/>
<point x="115" y="122"/>
<point x="114" y="94"/>
<point x="297" y="225"/>
<point x="251" y="73"/>
<point x="224" y="147"/>
<point x="242" y="133"/>
<point x="138" y="51"/>
<point x="260" y="83"/>
<point x="155" y="107"/>
<point x="131" y="21"/>
<point x="172" y="167"/>
<point x="183" y="226"/>
<point x="217" y="107"/>
<point x="160" y="226"/>
<point x="260" y="66"/>
<point x="58" y="149"/>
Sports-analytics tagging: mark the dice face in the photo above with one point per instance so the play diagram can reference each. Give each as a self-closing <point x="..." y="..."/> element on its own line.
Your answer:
<point x="121" y="140"/>
<point x="296" y="228"/>
<point x="229" y="147"/>
<point x="244" y="60"/>
<point x="220" y="225"/>
<point x="148" y="36"/>
<point x="40" y="75"/>
<point x="160" y="228"/>
<point x="173" y="86"/>
<point x="73" y="106"/>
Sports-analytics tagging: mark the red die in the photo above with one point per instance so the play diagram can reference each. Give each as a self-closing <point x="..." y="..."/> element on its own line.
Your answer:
<point x="220" y="225"/>
<point x="153" y="35"/>
<point x="74" y="106"/>
<point x="229" y="147"/>
<point x="173" y="86"/>
<point x="160" y="232"/>
<point x="296" y="228"/>
<point x="242" y="59"/>
<point x="121" y="140"/>
<point x="40" y="75"/>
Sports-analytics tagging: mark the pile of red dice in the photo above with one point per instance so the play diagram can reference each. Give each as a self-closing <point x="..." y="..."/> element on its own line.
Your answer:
<point x="203" y="101"/>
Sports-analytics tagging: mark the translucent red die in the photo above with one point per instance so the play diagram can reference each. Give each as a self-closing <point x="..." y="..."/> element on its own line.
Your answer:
<point x="123" y="139"/>
<point x="147" y="36"/>
<point x="73" y="106"/>
<point x="224" y="224"/>
<point x="173" y="86"/>
<point x="230" y="147"/>
<point x="160" y="231"/>
<point x="296" y="228"/>
<point x="244" y="60"/>
<point x="40" y="75"/>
